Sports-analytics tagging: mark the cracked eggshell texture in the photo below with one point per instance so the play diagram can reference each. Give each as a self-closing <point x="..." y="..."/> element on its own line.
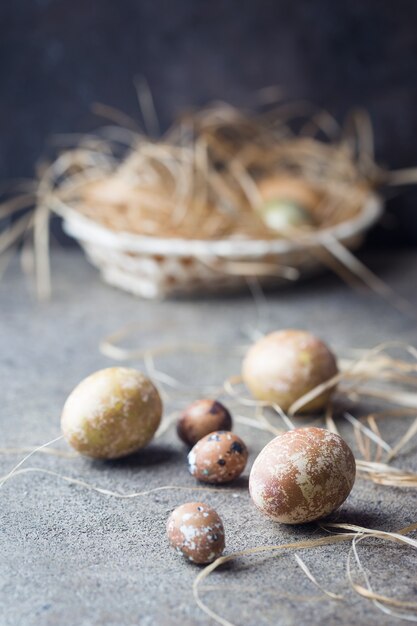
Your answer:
<point x="283" y="366"/>
<point x="218" y="458"/>
<point x="196" y="530"/>
<point x="201" y="418"/>
<point x="302" y="475"/>
<point x="111" y="413"/>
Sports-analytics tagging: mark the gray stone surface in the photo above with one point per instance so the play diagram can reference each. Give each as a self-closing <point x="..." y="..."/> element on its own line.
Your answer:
<point x="72" y="556"/>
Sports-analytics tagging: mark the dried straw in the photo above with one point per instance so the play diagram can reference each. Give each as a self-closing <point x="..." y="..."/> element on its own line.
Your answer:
<point x="383" y="474"/>
<point x="202" y="180"/>
<point x="354" y="534"/>
<point x="108" y="492"/>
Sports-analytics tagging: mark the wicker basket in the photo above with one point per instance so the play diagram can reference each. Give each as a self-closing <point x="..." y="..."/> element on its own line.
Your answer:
<point x="153" y="267"/>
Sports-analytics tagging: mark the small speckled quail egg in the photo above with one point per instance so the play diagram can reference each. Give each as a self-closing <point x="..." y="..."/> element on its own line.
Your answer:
<point x="111" y="413"/>
<point x="196" y="530"/>
<point x="302" y="475"/>
<point x="285" y="365"/>
<point x="201" y="418"/>
<point x="218" y="457"/>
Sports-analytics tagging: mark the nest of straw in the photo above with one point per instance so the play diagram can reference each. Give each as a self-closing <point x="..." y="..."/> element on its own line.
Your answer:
<point x="208" y="175"/>
<point x="206" y="180"/>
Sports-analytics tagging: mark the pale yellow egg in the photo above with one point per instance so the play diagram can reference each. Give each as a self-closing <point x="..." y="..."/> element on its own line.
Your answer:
<point x="111" y="413"/>
<point x="285" y="365"/>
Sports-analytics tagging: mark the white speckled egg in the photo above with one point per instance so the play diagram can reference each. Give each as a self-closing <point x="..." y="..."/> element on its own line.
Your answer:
<point x="283" y="366"/>
<point x="196" y="530"/>
<point x="302" y="475"/>
<point x="111" y="413"/>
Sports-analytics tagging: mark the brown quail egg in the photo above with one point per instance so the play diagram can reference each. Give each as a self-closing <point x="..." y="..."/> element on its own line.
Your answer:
<point x="201" y="418"/>
<point x="196" y="530"/>
<point x="218" y="457"/>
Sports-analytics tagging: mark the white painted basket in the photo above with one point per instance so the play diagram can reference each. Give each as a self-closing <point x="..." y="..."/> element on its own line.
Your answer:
<point x="153" y="267"/>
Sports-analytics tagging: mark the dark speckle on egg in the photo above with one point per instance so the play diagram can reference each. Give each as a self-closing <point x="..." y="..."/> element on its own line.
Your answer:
<point x="236" y="447"/>
<point x="218" y="458"/>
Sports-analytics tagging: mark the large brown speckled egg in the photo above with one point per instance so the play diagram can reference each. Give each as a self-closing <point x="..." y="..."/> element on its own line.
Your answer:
<point x="218" y="458"/>
<point x="302" y="475"/>
<point x="283" y="366"/>
<point x="111" y="413"/>
<point x="196" y="530"/>
<point x="201" y="418"/>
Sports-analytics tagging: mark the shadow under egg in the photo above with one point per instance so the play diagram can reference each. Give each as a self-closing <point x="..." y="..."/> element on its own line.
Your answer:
<point x="350" y="514"/>
<point x="154" y="454"/>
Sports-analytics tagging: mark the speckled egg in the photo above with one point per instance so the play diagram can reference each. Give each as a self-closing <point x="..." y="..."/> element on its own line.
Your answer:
<point x="201" y="418"/>
<point x="285" y="365"/>
<point x="302" y="476"/>
<point x="111" y="413"/>
<point x="218" y="457"/>
<point x="196" y="530"/>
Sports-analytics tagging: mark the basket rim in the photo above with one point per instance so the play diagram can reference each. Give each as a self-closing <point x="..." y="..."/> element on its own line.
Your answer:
<point x="88" y="231"/>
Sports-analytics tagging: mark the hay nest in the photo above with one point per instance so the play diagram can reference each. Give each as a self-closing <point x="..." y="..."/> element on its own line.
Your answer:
<point x="209" y="176"/>
<point x="192" y="209"/>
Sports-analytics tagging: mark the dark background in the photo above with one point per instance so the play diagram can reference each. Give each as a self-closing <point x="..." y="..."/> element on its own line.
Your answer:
<point x="59" y="56"/>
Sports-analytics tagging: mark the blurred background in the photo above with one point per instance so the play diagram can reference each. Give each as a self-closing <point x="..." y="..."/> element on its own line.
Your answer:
<point x="58" y="57"/>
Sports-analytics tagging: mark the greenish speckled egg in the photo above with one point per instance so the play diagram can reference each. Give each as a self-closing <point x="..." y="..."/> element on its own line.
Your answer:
<point x="111" y="413"/>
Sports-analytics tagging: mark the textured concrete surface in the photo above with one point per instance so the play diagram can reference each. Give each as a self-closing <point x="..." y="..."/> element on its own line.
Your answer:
<point x="72" y="556"/>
